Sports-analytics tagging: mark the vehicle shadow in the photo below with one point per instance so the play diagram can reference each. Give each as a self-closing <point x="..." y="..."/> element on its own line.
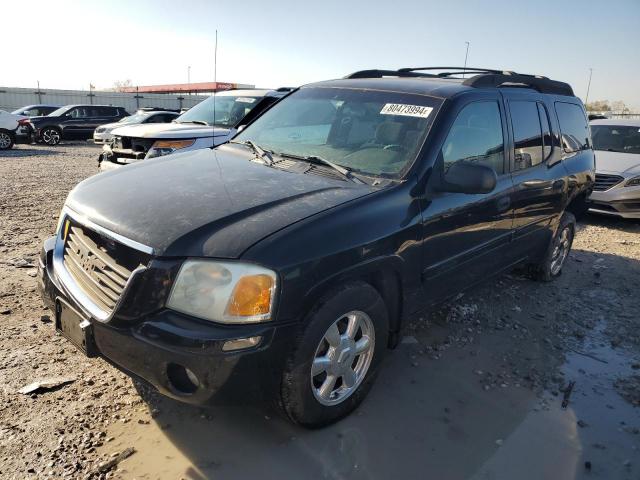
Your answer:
<point x="434" y="412"/>
<point x="27" y="152"/>
<point x="624" y="224"/>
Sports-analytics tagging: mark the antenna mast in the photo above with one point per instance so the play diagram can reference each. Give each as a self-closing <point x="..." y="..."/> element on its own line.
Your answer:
<point x="215" y="91"/>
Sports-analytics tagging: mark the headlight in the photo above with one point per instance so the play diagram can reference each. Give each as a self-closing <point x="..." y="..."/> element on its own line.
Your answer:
<point x="165" y="147"/>
<point x="225" y="292"/>
<point x="634" y="182"/>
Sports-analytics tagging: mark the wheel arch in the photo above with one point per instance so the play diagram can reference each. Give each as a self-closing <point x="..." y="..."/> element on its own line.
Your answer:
<point x="383" y="274"/>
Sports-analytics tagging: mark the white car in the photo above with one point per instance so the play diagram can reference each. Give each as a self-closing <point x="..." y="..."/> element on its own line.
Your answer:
<point x="617" y="187"/>
<point x="199" y="127"/>
<point x="102" y="134"/>
<point x="9" y="124"/>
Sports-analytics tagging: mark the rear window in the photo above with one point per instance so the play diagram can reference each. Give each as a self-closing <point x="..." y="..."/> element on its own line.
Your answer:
<point x="616" y="138"/>
<point x="573" y="127"/>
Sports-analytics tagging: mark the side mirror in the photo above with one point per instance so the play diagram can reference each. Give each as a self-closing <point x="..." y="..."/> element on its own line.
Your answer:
<point x="467" y="177"/>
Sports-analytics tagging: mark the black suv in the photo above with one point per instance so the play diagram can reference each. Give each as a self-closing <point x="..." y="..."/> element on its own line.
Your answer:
<point x="73" y="122"/>
<point x="288" y="260"/>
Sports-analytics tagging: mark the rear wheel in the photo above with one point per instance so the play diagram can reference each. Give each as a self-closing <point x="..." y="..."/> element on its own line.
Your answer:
<point x="336" y="356"/>
<point x="51" y="136"/>
<point x="558" y="251"/>
<point x="6" y="140"/>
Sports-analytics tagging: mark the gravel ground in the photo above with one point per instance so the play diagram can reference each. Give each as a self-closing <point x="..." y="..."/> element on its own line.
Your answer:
<point x="470" y="378"/>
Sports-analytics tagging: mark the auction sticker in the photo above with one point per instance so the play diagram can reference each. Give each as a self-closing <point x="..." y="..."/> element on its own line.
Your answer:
<point x="406" y="110"/>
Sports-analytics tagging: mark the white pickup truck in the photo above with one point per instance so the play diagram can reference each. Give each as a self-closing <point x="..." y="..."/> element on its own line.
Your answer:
<point x="199" y="127"/>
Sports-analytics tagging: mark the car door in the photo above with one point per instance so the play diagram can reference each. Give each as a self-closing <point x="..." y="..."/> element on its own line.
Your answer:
<point x="99" y="116"/>
<point x="466" y="236"/>
<point x="74" y="122"/>
<point x="537" y="172"/>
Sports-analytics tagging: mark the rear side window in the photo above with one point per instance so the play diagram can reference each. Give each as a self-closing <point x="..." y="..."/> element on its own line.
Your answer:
<point x="527" y="134"/>
<point x="573" y="127"/>
<point x="476" y="136"/>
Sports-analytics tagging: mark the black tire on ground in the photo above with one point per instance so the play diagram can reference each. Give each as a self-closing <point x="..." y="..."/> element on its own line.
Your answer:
<point x="298" y="399"/>
<point x="51" y="135"/>
<point x="559" y="248"/>
<point x="6" y="139"/>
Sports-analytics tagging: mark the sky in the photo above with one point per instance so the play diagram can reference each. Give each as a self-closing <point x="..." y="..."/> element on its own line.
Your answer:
<point x="71" y="43"/>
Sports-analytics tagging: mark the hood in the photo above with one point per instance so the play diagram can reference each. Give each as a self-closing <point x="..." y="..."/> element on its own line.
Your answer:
<point x="170" y="130"/>
<point x="617" y="163"/>
<point x="211" y="203"/>
<point x="107" y="127"/>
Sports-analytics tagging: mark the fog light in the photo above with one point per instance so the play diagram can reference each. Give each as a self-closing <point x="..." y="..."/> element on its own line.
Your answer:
<point x="182" y="379"/>
<point x="240" y="343"/>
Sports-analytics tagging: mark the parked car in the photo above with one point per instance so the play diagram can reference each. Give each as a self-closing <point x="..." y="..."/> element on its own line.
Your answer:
<point x="157" y="109"/>
<point x="36" y="110"/>
<point x="286" y="261"/>
<point x="9" y="125"/>
<point x="192" y="130"/>
<point x="617" y="188"/>
<point x="102" y="134"/>
<point x="73" y="122"/>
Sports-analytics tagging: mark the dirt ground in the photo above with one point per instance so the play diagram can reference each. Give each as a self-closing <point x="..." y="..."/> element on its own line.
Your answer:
<point x="474" y="391"/>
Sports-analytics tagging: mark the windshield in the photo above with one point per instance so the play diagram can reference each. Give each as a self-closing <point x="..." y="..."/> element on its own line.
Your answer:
<point x="616" y="138"/>
<point x="229" y="110"/>
<point x="136" y="118"/>
<point x="58" y="112"/>
<point x="376" y="133"/>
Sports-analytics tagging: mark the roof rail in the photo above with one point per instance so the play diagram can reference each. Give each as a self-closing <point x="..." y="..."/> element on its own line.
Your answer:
<point x="541" y="84"/>
<point x="482" y="78"/>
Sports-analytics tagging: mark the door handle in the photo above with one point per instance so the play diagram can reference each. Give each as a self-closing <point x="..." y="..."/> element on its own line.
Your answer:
<point x="544" y="184"/>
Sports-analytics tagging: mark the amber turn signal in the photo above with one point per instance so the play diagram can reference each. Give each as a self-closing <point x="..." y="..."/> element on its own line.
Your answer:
<point x="251" y="296"/>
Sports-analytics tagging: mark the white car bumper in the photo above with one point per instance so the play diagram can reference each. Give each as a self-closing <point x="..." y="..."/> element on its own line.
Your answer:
<point x="613" y="197"/>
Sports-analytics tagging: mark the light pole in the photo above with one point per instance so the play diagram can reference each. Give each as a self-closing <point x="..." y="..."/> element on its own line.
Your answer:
<point x="466" y="55"/>
<point x="189" y="78"/>
<point x="586" y="100"/>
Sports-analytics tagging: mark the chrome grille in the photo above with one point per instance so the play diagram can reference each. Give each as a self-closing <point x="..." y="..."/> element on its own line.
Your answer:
<point x="605" y="182"/>
<point x="99" y="275"/>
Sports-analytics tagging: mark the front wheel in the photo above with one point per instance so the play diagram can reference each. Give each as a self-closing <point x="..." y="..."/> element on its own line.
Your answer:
<point x="335" y="359"/>
<point x="558" y="251"/>
<point x="6" y="140"/>
<point x="51" y="136"/>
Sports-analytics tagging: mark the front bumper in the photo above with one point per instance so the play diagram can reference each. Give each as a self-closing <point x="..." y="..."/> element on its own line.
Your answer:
<point x="102" y="137"/>
<point x="149" y="348"/>
<point x="619" y="201"/>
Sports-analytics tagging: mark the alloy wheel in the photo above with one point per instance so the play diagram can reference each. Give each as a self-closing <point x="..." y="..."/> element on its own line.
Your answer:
<point x="342" y="358"/>
<point x="5" y="141"/>
<point x="51" y="136"/>
<point x="561" y="250"/>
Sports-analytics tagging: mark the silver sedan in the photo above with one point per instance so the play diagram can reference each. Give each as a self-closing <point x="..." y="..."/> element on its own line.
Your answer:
<point x="617" y="188"/>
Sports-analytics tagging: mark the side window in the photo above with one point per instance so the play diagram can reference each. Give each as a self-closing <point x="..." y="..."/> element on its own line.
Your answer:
<point x="476" y="136"/>
<point x="573" y="127"/>
<point x="527" y="134"/>
<point x="79" y="112"/>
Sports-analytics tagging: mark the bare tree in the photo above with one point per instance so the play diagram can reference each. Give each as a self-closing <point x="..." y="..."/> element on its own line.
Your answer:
<point x="619" y="106"/>
<point x="598" y="106"/>
<point x="122" y="85"/>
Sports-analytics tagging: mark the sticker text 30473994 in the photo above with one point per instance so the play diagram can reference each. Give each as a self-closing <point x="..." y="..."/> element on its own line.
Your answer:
<point x="406" y="110"/>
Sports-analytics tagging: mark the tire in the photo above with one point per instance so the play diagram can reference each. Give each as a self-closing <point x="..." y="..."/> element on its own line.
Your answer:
<point x="558" y="251"/>
<point x="6" y="140"/>
<point x="301" y="393"/>
<point x="51" y="135"/>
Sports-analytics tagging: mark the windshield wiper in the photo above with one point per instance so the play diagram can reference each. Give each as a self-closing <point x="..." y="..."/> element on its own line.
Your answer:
<point x="260" y="152"/>
<point x="197" y="122"/>
<point x="344" y="171"/>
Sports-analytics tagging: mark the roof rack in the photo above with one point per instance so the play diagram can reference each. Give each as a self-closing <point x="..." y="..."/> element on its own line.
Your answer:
<point x="482" y="78"/>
